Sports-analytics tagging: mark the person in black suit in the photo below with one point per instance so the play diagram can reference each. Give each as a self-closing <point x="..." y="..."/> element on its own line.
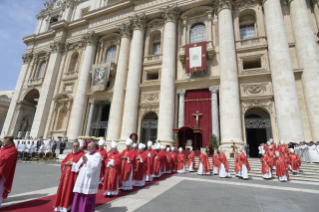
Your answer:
<point x="62" y="146"/>
<point x="54" y="146"/>
<point x="39" y="143"/>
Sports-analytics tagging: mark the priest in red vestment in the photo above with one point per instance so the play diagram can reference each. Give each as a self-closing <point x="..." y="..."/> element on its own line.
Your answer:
<point x="140" y="167"/>
<point x="65" y="195"/>
<point x="282" y="168"/>
<point x="191" y="161"/>
<point x="174" y="161"/>
<point x="150" y="153"/>
<point x="181" y="161"/>
<point x="238" y="165"/>
<point x="157" y="167"/>
<point x="266" y="169"/>
<point x="8" y="162"/>
<point x="127" y="166"/>
<point x="134" y="148"/>
<point x="294" y="161"/>
<point x="245" y="164"/>
<point x="224" y="167"/>
<point x="215" y="163"/>
<point x="203" y="164"/>
<point x="168" y="161"/>
<point x="103" y="153"/>
<point x="274" y="147"/>
<point x="112" y="177"/>
<point x="272" y="157"/>
<point x="163" y="157"/>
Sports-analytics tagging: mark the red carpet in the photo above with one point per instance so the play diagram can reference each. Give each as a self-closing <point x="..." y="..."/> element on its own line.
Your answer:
<point x="46" y="203"/>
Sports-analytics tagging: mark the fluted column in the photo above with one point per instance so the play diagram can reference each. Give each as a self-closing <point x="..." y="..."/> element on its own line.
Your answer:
<point x="181" y="108"/>
<point x="308" y="59"/>
<point x="116" y="112"/>
<point x="27" y="58"/>
<point x="88" y="127"/>
<point x="80" y="101"/>
<point x="167" y="95"/>
<point x="283" y="80"/>
<point x="215" y="122"/>
<point x="129" y="124"/>
<point x="230" y="116"/>
<point x="47" y="90"/>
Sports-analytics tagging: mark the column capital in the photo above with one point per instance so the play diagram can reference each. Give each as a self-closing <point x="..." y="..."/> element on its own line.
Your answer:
<point x="90" y="38"/>
<point x="222" y="4"/>
<point x="27" y="57"/>
<point x="57" y="46"/>
<point x="92" y="101"/>
<point x="170" y="13"/>
<point x="138" y="21"/>
<point x="125" y="30"/>
<point x="213" y="89"/>
<point x="181" y="92"/>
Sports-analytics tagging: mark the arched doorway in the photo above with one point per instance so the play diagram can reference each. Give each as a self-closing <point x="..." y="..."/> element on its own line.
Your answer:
<point x="258" y="129"/>
<point x="149" y="127"/>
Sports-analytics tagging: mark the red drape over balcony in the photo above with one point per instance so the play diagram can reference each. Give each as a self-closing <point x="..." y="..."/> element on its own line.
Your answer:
<point x="199" y="100"/>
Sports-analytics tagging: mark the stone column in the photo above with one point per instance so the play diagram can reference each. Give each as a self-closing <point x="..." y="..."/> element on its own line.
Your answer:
<point x="116" y="112"/>
<point x="129" y="124"/>
<point x="308" y="59"/>
<point x="230" y="115"/>
<point x="167" y="92"/>
<point x="88" y="127"/>
<point x="283" y="80"/>
<point x="27" y="58"/>
<point x="215" y="122"/>
<point x="181" y="108"/>
<point x="316" y="10"/>
<point x="80" y="101"/>
<point x="47" y="90"/>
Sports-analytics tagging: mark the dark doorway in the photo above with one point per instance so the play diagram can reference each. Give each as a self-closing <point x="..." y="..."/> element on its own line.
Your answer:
<point x="149" y="128"/>
<point x="258" y="129"/>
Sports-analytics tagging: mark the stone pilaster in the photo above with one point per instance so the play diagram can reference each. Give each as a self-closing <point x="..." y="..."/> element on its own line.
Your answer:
<point x="283" y="80"/>
<point x="167" y="92"/>
<point x="80" y="102"/>
<point x="88" y="127"/>
<point x="215" y="120"/>
<point x="116" y="112"/>
<point x="230" y="115"/>
<point x="308" y="59"/>
<point x="181" y="108"/>
<point x="129" y="123"/>
<point x="47" y="90"/>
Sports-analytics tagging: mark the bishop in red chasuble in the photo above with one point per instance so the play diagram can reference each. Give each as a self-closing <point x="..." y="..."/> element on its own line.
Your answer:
<point x="140" y="167"/>
<point x="65" y="195"/>
<point x="104" y="154"/>
<point x="150" y="153"/>
<point x="203" y="165"/>
<point x="127" y="166"/>
<point x="294" y="161"/>
<point x="266" y="169"/>
<point x="224" y="167"/>
<point x="181" y="161"/>
<point x="216" y="163"/>
<point x="238" y="165"/>
<point x="169" y="160"/>
<point x="157" y="172"/>
<point x="245" y="164"/>
<point x="282" y="168"/>
<point x="191" y="161"/>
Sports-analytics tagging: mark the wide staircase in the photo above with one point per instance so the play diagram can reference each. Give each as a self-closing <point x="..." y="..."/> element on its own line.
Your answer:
<point x="308" y="172"/>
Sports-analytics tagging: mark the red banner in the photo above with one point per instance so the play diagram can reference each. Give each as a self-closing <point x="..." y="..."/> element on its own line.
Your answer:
<point x="196" y="57"/>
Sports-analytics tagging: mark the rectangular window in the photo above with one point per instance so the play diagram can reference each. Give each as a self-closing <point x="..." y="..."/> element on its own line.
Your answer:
<point x="156" y="49"/>
<point x="152" y="76"/>
<point x="85" y="11"/>
<point x="247" y="32"/>
<point x="252" y="63"/>
<point x="53" y="20"/>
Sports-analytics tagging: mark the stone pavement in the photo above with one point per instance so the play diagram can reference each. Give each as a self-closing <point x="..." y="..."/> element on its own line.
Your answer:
<point x="181" y="192"/>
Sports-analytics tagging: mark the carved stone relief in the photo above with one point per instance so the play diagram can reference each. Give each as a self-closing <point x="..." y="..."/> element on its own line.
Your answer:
<point x="253" y="90"/>
<point x="267" y="104"/>
<point x="150" y="97"/>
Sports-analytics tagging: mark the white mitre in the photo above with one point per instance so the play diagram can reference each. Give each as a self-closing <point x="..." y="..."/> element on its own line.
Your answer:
<point x="140" y="146"/>
<point x="281" y="141"/>
<point x="292" y="150"/>
<point x="129" y="142"/>
<point x="101" y="142"/>
<point x="172" y="148"/>
<point x="134" y="145"/>
<point x="180" y="149"/>
<point x="162" y="147"/>
<point x="158" y="146"/>
<point x="149" y="143"/>
<point x="167" y="149"/>
<point x="113" y="144"/>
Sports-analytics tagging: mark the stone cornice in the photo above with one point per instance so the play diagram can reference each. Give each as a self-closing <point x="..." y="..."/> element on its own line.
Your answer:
<point x="222" y="4"/>
<point x="124" y="29"/>
<point x="57" y="46"/>
<point x="170" y="13"/>
<point x="239" y="3"/>
<point x="27" y="57"/>
<point x="138" y="21"/>
<point x="90" y="38"/>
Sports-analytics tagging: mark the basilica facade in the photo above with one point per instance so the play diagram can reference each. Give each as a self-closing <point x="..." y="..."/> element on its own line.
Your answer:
<point x="244" y="71"/>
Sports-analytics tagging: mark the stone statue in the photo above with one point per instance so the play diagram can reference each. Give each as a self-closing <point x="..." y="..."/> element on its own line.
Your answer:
<point x="20" y="134"/>
<point x="24" y="125"/>
<point x="27" y="135"/>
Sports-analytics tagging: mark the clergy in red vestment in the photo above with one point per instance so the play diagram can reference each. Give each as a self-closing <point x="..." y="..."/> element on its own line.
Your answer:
<point x="282" y="168"/>
<point x="8" y="162"/>
<point x="191" y="161"/>
<point x="141" y="166"/>
<point x="286" y="152"/>
<point x="157" y="167"/>
<point x="294" y="161"/>
<point x="181" y="161"/>
<point x="65" y="195"/>
<point x="224" y="167"/>
<point x="112" y="177"/>
<point x="174" y="161"/>
<point x="168" y="161"/>
<point x="103" y="153"/>
<point x="266" y="169"/>
<point x="272" y="157"/>
<point x="134" y="148"/>
<point x="216" y="163"/>
<point x="203" y="164"/>
<point x="127" y="166"/>
<point x="245" y="164"/>
<point x="163" y="157"/>
<point x="274" y="147"/>
<point x="150" y="153"/>
<point x="238" y="165"/>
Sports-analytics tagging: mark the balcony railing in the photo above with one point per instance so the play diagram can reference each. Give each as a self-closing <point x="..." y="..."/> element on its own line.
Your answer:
<point x="251" y="41"/>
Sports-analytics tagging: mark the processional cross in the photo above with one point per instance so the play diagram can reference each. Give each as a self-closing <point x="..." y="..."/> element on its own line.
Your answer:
<point x="197" y="115"/>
